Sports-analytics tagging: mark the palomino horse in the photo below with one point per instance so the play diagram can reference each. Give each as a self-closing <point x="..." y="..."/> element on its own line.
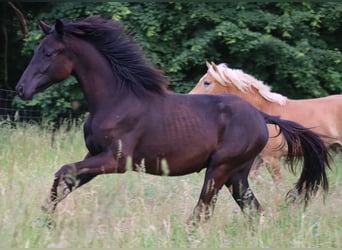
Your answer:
<point x="134" y="118"/>
<point x="323" y="115"/>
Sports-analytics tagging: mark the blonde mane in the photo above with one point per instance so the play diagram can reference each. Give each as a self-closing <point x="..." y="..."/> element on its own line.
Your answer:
<point x="244" y="82"/>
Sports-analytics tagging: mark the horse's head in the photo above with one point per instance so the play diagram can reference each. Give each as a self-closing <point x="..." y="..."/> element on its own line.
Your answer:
<point x="220" y="80"/>
<point x="50" y="63"/>
<point x="213" y="82"/>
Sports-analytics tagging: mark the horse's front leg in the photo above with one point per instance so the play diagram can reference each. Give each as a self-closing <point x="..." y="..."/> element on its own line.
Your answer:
<point x="71" y="176"/>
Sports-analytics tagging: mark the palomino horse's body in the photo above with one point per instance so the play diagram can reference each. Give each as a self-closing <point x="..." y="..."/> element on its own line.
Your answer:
<point x="323" y="115"/>
<point x="134" y="118"/>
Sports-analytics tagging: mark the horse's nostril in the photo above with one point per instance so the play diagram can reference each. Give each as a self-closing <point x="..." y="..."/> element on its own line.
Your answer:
<point x="20" y="90"/>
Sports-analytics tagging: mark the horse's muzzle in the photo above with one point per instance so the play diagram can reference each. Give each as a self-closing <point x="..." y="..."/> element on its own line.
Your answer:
<point x="25" y="95"/>
<point x="20" y="90"/>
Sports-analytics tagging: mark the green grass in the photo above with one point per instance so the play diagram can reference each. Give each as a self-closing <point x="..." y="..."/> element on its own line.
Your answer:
<point x="140" y="210"/>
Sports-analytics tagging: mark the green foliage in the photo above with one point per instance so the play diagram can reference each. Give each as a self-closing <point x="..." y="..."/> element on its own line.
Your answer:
<point x="295" y="48"/>
<point x="279" y="43"/>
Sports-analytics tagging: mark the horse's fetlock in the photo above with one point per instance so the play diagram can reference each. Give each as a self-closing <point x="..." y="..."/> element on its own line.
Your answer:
<point x="70" y="181"/>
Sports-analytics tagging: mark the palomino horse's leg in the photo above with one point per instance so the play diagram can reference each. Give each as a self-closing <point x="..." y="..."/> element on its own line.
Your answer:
<point x="253" y="174"/>
<point x="239" y="187"/>
<point x="273" y="167"/>
<point x="72" y="176"/>
<point x="272" y="164"/>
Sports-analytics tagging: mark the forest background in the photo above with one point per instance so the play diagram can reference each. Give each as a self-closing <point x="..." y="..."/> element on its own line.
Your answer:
<point x="293" y="47"/>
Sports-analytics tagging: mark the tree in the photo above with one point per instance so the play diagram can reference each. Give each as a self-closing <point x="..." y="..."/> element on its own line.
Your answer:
<point x="295" y="48"/>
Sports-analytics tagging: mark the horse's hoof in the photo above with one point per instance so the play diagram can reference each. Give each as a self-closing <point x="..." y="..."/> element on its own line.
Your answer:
<point x="45" y="220"/>
<point x="191" y="225"/>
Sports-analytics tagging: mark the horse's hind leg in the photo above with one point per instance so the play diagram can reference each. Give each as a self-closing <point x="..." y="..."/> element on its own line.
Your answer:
<point x="215" y="178"/>
<point x="243" y="195"/>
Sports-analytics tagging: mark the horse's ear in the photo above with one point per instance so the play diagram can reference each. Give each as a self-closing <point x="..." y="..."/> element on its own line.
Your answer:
<point x="208" y="64"/>
<point x="214" y="66"/>
<point x="59" y="27"/>
<point x="44" y="27"/>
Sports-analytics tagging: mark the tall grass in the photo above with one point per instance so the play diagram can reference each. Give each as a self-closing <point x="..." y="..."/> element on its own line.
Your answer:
<point x="140" y="210"/>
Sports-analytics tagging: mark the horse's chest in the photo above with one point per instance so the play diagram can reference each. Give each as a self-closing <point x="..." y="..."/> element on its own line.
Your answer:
<point x="95" y="144"/>
<point x="96" y="140"/>
<point x="105" y="134"/>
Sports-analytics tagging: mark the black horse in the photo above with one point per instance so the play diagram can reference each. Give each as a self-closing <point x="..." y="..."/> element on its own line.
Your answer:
<point x="134" y="118"/>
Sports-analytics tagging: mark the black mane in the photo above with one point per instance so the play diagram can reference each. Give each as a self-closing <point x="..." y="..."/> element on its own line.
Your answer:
<point x="125" y="56"/>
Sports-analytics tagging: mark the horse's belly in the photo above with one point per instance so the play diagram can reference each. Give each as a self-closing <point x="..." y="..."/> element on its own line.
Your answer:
<point x="180" y="161"/>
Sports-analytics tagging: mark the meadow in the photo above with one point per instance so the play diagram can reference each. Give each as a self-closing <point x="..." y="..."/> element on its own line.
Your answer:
<point x="140" y="210"/>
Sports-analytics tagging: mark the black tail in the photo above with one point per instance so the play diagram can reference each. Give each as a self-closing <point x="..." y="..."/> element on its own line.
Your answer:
<point x="302" y="141"/>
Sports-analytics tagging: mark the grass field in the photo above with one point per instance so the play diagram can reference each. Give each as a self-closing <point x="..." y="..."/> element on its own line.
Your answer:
<point x="140" y="210"/>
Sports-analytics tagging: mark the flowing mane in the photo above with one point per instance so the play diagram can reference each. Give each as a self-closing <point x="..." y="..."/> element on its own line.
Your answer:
<point x="125" y="56"/>
<point x="244" y="82"/>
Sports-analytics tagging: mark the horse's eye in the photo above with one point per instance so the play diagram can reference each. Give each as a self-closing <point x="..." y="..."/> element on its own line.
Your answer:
<point x="51" y="53"/>
<point x="206" y="83"/>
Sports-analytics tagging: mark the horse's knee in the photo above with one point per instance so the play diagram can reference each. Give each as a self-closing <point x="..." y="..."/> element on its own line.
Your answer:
<point x="66" y="177"/>
<point x="65" y="170"/>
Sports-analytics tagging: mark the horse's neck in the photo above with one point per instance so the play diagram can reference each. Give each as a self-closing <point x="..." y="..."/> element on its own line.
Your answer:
<point x="253" y="97"/>
<point x="95" y="76"/>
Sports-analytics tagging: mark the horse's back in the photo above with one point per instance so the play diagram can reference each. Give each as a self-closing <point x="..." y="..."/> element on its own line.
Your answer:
<point x="323" y="115"/>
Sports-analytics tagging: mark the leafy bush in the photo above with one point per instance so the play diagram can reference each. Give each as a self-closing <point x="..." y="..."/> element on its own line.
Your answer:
<point x="295" y="48"/>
